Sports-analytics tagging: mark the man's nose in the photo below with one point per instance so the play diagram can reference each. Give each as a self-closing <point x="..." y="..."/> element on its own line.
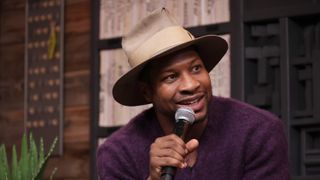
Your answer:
<point x="188" y="83"/>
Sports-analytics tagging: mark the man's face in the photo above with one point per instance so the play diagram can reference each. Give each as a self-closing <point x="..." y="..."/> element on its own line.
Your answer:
<point x="180" y="80"/>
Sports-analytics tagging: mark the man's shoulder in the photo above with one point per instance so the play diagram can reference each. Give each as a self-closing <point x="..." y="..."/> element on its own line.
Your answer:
<point x="241" y="111"/>
<point x="244" y="121"/>
<point x="131" y="133"/>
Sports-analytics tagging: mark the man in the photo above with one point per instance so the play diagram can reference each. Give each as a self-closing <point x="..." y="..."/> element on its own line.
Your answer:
<point x="228" y="140"/>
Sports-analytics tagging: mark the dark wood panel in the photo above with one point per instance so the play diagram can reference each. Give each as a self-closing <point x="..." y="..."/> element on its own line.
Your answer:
<point x="76" y="125"/>
<point x="78" y="18"/>
<point x="11" y="127"/>
<point x="12" y="62"/>
<point x="9" y="53"/>
<point x="69" y="166"/>
<point x="9" y="5"/>
<point x="77" y="56"/>
<point x="74" y="164"/>
<point x="77" y="88"/>
<point x="12" y="21"/>
<point x="73" y="2"/>
<point x="11" y="96"/>
<point x="9" y="36"/>
<point x="11" y="72"/>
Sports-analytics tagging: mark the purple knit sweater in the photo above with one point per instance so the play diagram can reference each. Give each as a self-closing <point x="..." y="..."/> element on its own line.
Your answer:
<point x="239" y="142"/>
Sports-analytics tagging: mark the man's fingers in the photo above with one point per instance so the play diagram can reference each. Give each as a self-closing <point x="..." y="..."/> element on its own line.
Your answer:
<point x="192" y="145"/>
<point x="169" y="150"/>
<point x="169" y="140"/>
<point x="167" y="161"/>
<point x="171" y="145"/>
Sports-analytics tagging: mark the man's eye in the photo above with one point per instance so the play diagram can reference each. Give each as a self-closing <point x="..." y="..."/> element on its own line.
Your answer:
<point x="196" y="68"/>
<point x="170" y="78"/>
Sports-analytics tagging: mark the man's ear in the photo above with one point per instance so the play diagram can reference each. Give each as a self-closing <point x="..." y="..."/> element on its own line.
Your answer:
<point x="146" y="91"/>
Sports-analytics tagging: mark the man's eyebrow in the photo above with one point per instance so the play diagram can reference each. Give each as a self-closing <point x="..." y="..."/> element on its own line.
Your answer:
<point x="169" y="69"/>
<point x="166" y="70"/>
<point x="195" y="59"/>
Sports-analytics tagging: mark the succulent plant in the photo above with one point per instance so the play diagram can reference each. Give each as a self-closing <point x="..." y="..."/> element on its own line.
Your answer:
<point x="31" y="163"/>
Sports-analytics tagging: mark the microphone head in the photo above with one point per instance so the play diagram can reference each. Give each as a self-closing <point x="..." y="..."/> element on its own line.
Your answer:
<point x="186" y="114"/>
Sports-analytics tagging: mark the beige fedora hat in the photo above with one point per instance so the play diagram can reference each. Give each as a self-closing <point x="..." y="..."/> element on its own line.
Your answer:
<point x="155" y="36"/>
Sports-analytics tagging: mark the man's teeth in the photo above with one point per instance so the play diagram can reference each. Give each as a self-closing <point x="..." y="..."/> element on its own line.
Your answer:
<point x="191" y="102"/>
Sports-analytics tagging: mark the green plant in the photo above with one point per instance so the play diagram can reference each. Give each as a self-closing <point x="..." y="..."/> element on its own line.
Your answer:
<point x="31" y="164"/>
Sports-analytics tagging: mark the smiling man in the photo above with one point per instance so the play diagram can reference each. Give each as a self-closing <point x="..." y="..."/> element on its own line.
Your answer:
<point x="228" y="140"/>
<point x="177" y="80"/>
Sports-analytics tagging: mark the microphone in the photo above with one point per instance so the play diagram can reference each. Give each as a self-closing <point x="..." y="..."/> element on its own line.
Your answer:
<point x="184" y="117"/>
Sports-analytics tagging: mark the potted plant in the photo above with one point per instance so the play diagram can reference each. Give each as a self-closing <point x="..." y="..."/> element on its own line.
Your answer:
<point x="31" y="163"/>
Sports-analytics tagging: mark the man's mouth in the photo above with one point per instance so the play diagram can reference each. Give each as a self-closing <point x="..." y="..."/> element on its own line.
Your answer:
<point x="189" y="102"/>
<point x="195" y="102"/>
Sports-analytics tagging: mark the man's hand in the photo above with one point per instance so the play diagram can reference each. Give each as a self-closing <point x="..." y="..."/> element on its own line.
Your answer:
<point x="169" y="150"/>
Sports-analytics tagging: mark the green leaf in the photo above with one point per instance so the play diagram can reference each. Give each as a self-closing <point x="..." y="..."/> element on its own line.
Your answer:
<point x="41" y="153"/>
<point x="53" y="173"/>
<point x="33" y="156"/>
<point x="45" y="160"/>
<point x="24" y="159"/>
<point x="4" y="170"/>
<point x="15" y="171"/>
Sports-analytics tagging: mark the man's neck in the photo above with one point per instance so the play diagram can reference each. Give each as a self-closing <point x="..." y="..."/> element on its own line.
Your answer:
<point x="196" y="130"/>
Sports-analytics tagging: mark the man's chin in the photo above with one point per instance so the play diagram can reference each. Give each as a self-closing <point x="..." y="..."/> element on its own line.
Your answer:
<point x="200" y="117"/>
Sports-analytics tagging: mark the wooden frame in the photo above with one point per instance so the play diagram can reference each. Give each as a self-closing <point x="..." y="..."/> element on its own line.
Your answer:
<point x="44" y="71"/>
<point x="244" y="15"/>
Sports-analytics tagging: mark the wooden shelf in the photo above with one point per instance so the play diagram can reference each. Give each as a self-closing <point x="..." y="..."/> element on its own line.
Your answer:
<point x="107" y="131"/>
<point x="301" y="9"/>
<point x="304" y="122"/>
<point x="113" y="43"/>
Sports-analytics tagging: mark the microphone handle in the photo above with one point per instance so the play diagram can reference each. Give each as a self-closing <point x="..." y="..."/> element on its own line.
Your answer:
<point x="168" y="172"/>
<point x="181" y="128"/>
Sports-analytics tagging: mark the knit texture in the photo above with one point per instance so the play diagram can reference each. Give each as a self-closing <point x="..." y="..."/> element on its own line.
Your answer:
<point x="239" y="142"/>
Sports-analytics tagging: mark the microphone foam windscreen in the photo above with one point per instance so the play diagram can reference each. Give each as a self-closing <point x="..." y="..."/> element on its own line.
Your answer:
<point x="186" y="114"/>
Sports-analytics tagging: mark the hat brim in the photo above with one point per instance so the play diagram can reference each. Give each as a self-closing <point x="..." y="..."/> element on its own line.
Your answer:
<point x="210" y="48"/>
